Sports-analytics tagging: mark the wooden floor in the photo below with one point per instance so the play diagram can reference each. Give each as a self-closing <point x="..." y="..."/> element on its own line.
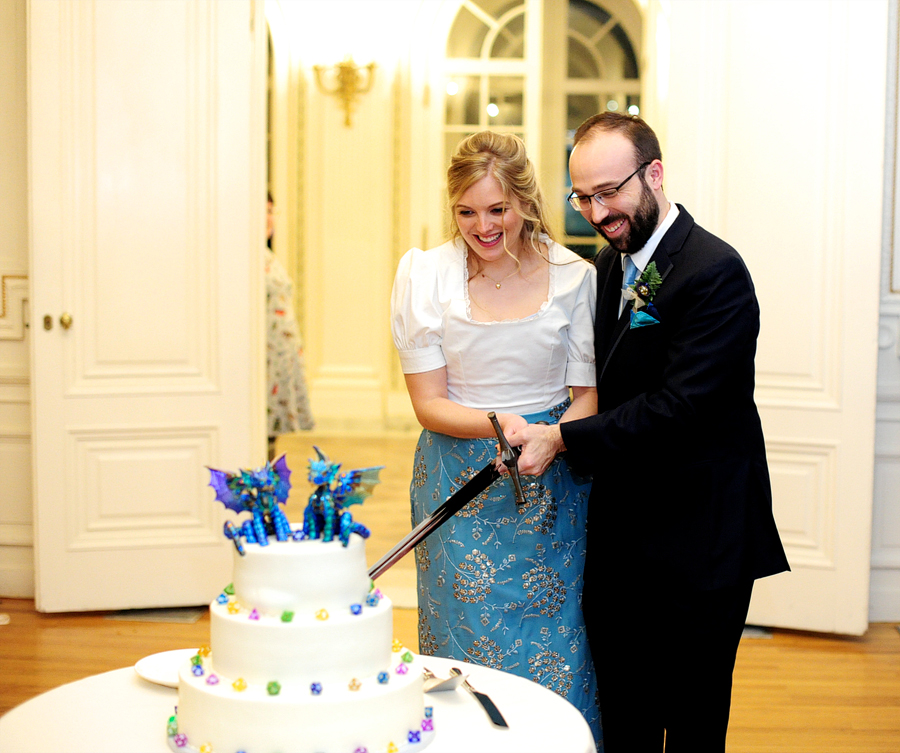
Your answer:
<point x="794" y="692"/>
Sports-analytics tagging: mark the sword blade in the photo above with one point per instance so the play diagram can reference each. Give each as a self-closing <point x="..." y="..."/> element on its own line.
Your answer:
<point x="471" y="489"/>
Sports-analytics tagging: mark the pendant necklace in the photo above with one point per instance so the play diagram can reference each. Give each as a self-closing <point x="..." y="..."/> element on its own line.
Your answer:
<point x="498" y="283"/>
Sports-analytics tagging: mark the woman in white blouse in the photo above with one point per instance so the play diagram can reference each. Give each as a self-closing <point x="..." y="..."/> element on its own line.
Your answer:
<point x="499" y="318"/>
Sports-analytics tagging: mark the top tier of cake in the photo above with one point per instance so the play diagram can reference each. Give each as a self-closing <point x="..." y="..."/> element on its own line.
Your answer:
<point x="290" y="575"/>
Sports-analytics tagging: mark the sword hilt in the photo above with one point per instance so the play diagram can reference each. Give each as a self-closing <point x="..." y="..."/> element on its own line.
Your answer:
<point x="509" y="456"/>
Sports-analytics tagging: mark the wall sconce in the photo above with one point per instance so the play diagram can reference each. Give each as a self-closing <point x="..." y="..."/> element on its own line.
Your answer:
<point x="347" y="82"/>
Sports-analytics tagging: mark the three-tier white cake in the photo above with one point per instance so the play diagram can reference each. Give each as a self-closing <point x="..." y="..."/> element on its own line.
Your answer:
<point x="301" y="660"/>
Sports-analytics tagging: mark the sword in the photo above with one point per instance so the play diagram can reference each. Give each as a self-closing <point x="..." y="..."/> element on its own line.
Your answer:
<point x="471" y="489"/>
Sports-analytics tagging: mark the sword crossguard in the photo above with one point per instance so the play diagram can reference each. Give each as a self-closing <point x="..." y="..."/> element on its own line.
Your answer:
<point x="509" y="456"/>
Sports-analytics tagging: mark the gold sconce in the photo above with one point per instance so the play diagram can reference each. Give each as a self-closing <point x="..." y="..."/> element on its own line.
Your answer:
<point x="348" y="82"/>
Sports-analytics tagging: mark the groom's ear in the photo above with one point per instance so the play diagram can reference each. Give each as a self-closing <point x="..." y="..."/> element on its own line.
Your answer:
<point x="653" y="175"/>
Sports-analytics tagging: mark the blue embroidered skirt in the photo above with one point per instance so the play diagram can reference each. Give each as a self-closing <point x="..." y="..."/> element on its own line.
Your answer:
<point x="500" y="584"/>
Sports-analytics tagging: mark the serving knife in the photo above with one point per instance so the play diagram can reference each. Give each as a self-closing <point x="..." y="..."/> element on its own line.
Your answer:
<point x="486" y="703"/>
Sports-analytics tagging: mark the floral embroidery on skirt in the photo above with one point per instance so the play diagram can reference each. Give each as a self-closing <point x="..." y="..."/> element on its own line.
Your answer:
<point x="500" y="584"/>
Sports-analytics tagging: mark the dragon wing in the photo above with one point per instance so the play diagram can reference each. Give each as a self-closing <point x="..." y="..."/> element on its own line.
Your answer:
<point x="219" y="481"/>
<point x="355" y="486"/>
<point x="283" y="479"/>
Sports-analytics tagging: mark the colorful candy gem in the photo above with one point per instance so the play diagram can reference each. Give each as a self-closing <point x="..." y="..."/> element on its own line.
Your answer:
<point x="196" y="660"/>
<point x="204" y="650"/>
<point x="197" y="669"/>
<point x="391" y="748"/>
<point x="212" y="680"/>
<point x="172" y="726"/>
<point x="180" y="740"/>
<point x="396" y="646"/>
<point x="316" y="688"/>
<point x="372" y="600"/>
<point x="222" y="599"/>
<point x="354" y="684"/>
<point x="361" y="750"/>
<point x="254" y="615"/>
<point x="402" y="669"/>
<point x="356" y="609"/>
<point x="240" y="685"/>
<point x="229" y="589"/>
<point x="414" y="736"/>
<point x="287" y="616"/>
<point x="407" y="656"/>
<point x="427" y="725"/>
<point x="206" y="748"/>
<point x="233" y="607"/>
<point x="383" y="678"/>
<point x="429" y="712"/>
<point x="322" y="614"/>
<point x="273" y="688"/>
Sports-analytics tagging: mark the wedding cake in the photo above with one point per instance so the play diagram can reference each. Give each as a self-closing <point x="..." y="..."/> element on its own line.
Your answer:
<point x="301" y="658"/>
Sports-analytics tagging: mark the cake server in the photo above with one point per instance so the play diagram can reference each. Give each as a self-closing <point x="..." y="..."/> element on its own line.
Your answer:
<point x="486" y="703"/>
<point x="471" y="489"/>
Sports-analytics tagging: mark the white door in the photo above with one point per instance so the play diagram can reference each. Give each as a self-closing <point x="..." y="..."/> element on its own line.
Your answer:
<point x="765" y="149"/>
<point x="146" y="160"/>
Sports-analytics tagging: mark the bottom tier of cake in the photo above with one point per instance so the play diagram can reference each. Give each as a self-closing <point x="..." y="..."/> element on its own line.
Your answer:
<point x="374" y="714"/>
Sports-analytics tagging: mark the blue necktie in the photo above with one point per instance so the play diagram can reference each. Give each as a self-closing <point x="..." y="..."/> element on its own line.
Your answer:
<point x="631" y="273"/>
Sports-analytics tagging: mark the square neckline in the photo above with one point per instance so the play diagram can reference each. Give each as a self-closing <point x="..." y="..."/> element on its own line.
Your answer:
<point x="551" y="278"/>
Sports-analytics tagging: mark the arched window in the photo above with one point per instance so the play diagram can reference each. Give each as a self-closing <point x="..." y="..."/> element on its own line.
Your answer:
<point x="486" y="70"/>
<point x="601" y="74"/>
<point x="540" y="80"/>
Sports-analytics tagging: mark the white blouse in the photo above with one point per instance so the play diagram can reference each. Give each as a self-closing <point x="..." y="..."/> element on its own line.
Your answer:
<point x="514" y="366"/>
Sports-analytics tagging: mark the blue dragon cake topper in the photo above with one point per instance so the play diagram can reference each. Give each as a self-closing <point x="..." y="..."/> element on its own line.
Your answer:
<point x="261" y="492"/>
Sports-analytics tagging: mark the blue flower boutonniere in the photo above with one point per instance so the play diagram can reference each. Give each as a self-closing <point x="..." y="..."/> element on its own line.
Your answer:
<point x="642" y="292"/>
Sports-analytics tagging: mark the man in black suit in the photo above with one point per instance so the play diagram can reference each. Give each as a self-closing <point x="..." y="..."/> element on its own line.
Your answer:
<point x="680" y="521"/>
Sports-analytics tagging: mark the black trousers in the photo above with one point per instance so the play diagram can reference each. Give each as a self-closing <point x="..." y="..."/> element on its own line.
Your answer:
<point x="664" y="657"/>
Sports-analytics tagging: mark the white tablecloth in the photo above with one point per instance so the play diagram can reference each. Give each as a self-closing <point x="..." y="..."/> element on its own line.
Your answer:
<point x="118" y="712"/>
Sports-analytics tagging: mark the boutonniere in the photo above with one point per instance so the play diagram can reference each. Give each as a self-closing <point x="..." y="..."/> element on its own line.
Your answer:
<point x="641" y="292"/>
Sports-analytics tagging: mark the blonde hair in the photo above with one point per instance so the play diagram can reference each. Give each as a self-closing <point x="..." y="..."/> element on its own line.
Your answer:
<point x="503" y="156"/>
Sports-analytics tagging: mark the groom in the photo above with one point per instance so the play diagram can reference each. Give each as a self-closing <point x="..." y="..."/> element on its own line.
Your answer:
<point x="680" y="520"/>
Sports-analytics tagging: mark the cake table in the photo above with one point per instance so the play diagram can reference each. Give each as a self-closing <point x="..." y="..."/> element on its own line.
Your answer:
<point x="118" y="712"/>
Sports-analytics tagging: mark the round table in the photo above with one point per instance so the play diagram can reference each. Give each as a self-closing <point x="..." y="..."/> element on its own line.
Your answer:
<point x="118" y="712"/>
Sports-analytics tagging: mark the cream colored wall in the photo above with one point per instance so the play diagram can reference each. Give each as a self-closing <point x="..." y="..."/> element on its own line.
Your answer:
<point x="356" y="207"/>
<point x="16" y="560"/>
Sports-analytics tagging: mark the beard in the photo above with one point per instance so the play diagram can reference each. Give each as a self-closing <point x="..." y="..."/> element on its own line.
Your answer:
<point x="641" y="224"/>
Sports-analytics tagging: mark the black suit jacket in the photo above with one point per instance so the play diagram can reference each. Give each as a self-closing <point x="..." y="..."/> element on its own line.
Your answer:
<point x="681" y="486"/>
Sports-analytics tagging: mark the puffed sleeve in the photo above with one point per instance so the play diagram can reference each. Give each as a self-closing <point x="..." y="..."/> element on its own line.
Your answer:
<point x="416" y="316"/>
<point x="581" y="370"/>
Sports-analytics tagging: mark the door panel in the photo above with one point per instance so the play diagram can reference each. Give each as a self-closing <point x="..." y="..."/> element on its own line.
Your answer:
<point x="146" y="165"/>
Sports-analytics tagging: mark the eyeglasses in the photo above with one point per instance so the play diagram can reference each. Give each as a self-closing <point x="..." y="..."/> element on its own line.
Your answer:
<point x="583" y="203"/>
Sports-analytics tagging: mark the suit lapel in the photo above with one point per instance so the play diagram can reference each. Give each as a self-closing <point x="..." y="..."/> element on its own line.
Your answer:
<point x="609" y="288"/>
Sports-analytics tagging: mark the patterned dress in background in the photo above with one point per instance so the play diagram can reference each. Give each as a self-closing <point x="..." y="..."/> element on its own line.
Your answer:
<point x="287" y="396"/>
<point x="499" y="584"/>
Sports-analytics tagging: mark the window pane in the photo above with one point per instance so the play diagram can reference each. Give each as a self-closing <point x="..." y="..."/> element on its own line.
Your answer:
<point x="506" y="101"/>
<point x="461" y="101"/>
<point x="579" y="108"/>
<point x="585" y="18"/>
<point x="466" y="36"/>
<point x="617" y="55"/>
<point x="581" y="62"/>
<point x="510" y="41"/>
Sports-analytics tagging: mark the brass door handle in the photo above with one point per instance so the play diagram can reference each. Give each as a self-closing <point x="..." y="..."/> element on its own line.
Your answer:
<point x="65" y="321"/>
